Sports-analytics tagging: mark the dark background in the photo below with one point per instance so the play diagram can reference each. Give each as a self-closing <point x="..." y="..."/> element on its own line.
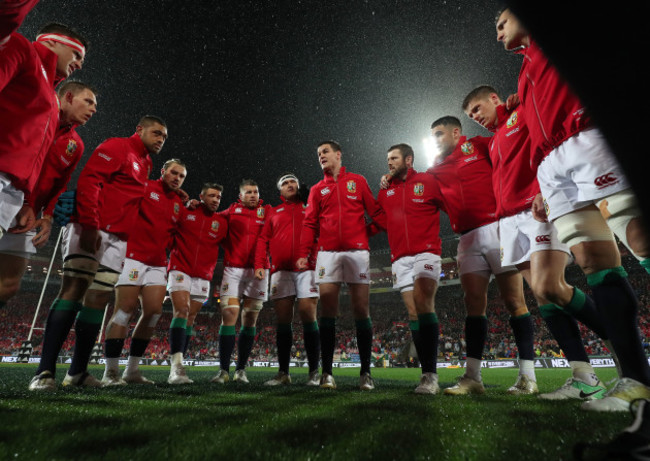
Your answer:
<point x="248" y="89"/>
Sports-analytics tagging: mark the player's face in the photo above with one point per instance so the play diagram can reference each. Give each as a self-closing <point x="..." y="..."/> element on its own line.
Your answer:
<point x="328" y="157"/>
<point x="483" y="111"/>
<point x="510" y="31"/>
<point x="444" y="138"/>
<point x="289" y="189"/>
<point x="211" y="198"/>
<point x="174" y="176"/>
<point x="250" y="196"/>
<point x="68" y="59"/>
<point x="396" y="163"/>
<point x="153" y="137"/>
<point x="78" y="109"/>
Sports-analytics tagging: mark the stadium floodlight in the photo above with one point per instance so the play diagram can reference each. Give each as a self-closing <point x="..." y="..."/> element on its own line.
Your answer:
<point x="430" y="150"/>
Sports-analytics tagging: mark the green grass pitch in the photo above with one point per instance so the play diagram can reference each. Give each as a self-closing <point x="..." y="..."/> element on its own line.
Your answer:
<point x="255" y="422"/>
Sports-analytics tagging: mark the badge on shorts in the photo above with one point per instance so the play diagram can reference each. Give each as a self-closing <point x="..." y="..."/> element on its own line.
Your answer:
<point x="321" y="272"/>
<point x="467" y="148"/>
<point x="274" y="290"/>
<point x="352" y="187"/>
<point x="133" y="275"/>
<point x="180" y="277"/>
<point x="224" y="287"/>
<point x="501" y="253"/>
<point x="546" y="208"/>
<point x="260" y="212"/>
<point x="418" y="189"/>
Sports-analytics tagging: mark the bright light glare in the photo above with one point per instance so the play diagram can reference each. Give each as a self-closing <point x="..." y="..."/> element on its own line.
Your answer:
<point x="430" y="150"/>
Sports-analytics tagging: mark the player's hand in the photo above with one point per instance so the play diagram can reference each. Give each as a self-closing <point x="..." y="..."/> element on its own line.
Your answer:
<point x="301" y="264"/>
<point x="385" y="181"/>
<point x="65" y="207"/>
<point x="512" y="101"/>
<point x="45" y="228"/>
<point x="184" y="196"/>
<point x="538" y="209"/>
<point x="259" y="274"/>
<point x="90" y="240"/>
<point x="25" y="220"/>
<point x="192" y="204"/>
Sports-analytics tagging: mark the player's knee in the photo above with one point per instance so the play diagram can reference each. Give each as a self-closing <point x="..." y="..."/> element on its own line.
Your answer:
<point x="121" y="318"/>
<point x="153" y="320"/>
<point x="253" y="306"/>
<point x="9" y="287"/>
<point x="623" y="216"/>
<point x="546" y="289"/>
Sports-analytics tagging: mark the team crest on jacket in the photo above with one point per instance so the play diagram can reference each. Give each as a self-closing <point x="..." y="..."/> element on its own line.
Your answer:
<point x="467" y="148"/>
<point x="512" y="120"/>
<point x="352" y="187"/>
<point x="133" y="275"/>
<point x="215" y="226"/>
<point x="418" y="189"/>
<point x="260" y="212"/>
<point x="72" y="147"/>
<point x="177" y="208"/>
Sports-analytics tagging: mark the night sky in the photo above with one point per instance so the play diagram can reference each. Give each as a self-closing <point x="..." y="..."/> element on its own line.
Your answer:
<point x="248" y="89"/>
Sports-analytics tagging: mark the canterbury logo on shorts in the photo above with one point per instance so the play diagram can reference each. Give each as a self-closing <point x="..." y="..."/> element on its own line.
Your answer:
<point x="605" y="180"/>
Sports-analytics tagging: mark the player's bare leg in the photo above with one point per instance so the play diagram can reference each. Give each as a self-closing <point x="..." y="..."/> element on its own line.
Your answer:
<point x="152" y="300"/>
<point x="284" y="338"/>
<point x="229" y="316"/>
<point x="424" y="291"/>
<point x="250" y="311"/>
<point x="12" y="269"/>
<point x="177" y="331"/>
<point x="360" y="300"/>
<point x="127" y="302"/>
<point x="195" y="308"/>
<point x="307" y="310"/>
<point x="329" y="298"/>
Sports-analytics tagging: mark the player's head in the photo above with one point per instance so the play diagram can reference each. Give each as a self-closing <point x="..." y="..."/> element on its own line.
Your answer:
<point x="400" y="158"/>
<point x="249" y="193"/>
<point x="78" y="102"/>
<point x="173" y="173"/>
<point x="211" y="195"/>
<point x="288" y="185"/>
<point x="329" y="156"/>
<point x="446" y="132"/>
<point x="153" y="132"/>
<point x="68" y="44"/>
<point x="481" y="105"/>
<point x="511" y="31"/>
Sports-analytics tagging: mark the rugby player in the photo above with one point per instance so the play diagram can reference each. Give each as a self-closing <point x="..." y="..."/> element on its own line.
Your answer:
<point x="109" y="192"/>
<point x="411" y="217"/>
<point x="78" y="105"/>
<point x="246" y="218"/>
<point x="533" y="246"/>
<point x="29" y="112"/>
<point x="191" y="266"/>
<point x="144" y="277"/>
<point x="586" y="195"/>
<point x="280" y="239"/>
<point x="336" y="216"/>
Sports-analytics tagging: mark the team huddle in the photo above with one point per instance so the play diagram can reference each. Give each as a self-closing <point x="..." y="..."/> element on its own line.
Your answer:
<point x="542" y="191"/>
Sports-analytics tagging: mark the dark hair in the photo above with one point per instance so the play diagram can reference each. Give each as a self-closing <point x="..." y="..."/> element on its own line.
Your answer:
<point x="447" y="120"/>
<point x="75" y="87"/>
<point x="246" y="182"/>
<point x="149" y="120"/>
<point x="404" y="149"/>
<point x="482" y="91"/>
<point x="333" y="144"/>
<point x="211" y="185"/>
<point x="62" y="29"/>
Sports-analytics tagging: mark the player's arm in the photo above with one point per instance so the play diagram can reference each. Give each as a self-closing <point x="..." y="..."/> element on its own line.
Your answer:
<point x="309" y="232"/>
<point x="262" y="248"/>
<point x="11" y="62"/>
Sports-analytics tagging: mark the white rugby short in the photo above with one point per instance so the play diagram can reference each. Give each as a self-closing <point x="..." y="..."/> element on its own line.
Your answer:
<point x="140" y="274"/>
<point x="522" y="235"/>
<point x="479" y="250"/>
<point x="111" y="253"/>
<point x="407" y="269"/>
<point x="18" y="244"/>
<point x="579" y="172"/>
<point x="343" y="266"/>
<point x="199" y="289"/>
<point x="289" y="283"/>
<point x="11" y="201"/>
<point x="239" y="281"/>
